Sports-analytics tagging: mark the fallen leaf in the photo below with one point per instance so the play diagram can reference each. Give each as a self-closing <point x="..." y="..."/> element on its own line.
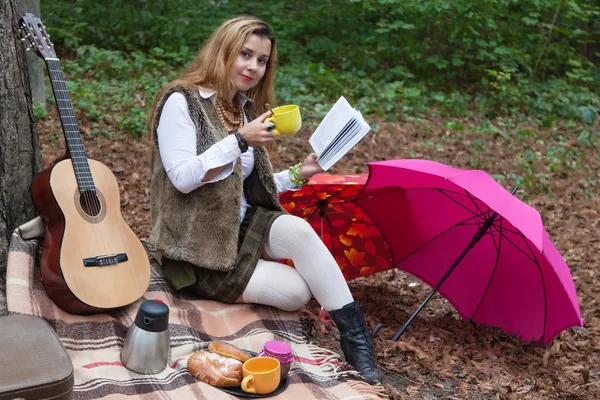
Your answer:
<point x="404" y="346"/>
<point x="545" y="359"/>
<point x="412" y="390"/>
<point x="446" y="374"/>
<point x="524" y="389"/>
<point x="433" y="339"/>
<point x="585" y="372"/>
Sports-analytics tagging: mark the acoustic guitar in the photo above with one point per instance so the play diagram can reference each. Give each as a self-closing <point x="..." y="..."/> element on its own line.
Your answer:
<point x="91" y="259"/>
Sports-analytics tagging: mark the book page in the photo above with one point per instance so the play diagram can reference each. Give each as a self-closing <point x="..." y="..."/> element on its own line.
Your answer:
<point x="331" y="124"/>
<point x="341" y="129"/>
<point x="345" y="144"/>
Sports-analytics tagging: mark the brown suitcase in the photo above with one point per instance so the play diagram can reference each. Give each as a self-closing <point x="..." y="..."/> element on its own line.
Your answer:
<point x="33" y="362"/>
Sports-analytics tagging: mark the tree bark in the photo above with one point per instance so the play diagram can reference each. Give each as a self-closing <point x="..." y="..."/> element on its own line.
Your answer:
<point x="19" y="154"/>
<point x="35" y="65"/>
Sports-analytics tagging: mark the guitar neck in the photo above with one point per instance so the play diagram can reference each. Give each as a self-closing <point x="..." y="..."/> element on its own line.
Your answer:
<point x="73" y="139"/>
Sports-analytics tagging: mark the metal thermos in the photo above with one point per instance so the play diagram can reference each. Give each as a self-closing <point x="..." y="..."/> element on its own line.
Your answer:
<point x="146" y="348"/>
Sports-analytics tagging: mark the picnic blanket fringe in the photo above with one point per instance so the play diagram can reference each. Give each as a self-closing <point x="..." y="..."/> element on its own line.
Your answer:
<point x="94" y="342"/>
<point x="368" y="391"/>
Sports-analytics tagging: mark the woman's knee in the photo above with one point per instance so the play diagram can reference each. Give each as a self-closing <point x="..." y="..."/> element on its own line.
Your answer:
<point x="299" y="227"/>
<point x="297" y="296"/>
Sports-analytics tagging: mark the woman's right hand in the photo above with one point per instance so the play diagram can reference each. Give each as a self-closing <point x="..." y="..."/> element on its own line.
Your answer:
<point x="256" y="133"/>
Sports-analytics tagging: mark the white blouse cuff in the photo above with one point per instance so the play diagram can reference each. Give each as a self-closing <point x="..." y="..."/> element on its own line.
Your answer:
<point x="283" y="182"/>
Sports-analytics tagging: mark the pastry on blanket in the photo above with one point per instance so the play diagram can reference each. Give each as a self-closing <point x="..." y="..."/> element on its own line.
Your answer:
<point x="215" y="369"/>
<point x="229" y="350"/>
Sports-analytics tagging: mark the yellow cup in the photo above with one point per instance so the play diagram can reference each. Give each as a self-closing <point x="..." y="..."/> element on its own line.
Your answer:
<point x="287" y="120"/>
<point x="261" y="375"/>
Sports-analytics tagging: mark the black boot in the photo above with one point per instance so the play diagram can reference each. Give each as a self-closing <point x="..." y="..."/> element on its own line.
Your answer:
<point x="356" y="341"/>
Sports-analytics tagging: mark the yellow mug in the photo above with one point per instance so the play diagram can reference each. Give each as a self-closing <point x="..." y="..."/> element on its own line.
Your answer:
<point x="287" y="119"/>
<point x="261" y="375"/>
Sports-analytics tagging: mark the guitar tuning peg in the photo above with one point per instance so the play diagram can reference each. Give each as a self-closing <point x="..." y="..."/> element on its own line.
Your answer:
<point x="27" y="49"/>
<point x="22" y="39"/>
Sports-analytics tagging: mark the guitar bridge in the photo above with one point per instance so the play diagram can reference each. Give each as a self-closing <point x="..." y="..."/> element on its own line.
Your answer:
<point x="102" y="261"/>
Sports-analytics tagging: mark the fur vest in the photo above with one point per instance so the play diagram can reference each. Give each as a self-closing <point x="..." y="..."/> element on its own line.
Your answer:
<point x="202" y="227"/>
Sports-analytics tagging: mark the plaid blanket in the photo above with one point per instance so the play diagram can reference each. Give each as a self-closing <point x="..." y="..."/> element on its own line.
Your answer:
<point x="94" y="342"/>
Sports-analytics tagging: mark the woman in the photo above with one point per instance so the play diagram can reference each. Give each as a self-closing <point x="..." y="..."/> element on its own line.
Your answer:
<point x="216" y="217"/>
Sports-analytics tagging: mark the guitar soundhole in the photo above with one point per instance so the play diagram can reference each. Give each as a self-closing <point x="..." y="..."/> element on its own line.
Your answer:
<point x="90" y="205"/>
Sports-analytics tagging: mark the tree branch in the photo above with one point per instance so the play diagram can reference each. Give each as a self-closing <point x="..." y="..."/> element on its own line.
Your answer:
<point x="539" y="59"/>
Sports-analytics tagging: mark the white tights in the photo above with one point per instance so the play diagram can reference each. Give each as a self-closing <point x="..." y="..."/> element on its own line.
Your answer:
<point x="316" y="271"/>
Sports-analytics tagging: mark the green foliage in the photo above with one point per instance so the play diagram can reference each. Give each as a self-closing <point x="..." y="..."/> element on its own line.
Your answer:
<point x="392" y="58"/>
<point x="115" y="88"/>
<point x="39" y="111"/>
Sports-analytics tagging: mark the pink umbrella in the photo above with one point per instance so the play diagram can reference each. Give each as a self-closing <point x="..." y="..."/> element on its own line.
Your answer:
<point x="486" y="251"/>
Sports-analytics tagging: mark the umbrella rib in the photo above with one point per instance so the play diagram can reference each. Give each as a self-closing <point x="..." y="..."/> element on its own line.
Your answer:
<point x="443" y="191"/>
<point x="300" y="201"/>
<point x="317" y="196"/>
<point x="315" y="193"/>
<point x="531" y="257"/>
<point x="305" y="208"/>
<point x="526" y="243"/>
<point x="331" y="230"/>
<point x="474" y="202"/>
<point x="316" y="206"/>
<point x="498" y="247"/>
<point x="537" y="263"/>
<point x="516" y="232"/>
<point x="476" y="222"/>
<point x="312" y="213"/>
<point x="539" y="267"/>
<point x="302" y="209"/>
<point x="432" y="239"/>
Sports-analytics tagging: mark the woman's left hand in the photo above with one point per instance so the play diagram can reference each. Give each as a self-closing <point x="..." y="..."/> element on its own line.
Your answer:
<point x="310" y="167"/>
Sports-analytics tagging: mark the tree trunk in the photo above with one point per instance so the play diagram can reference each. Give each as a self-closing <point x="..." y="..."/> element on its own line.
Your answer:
<point x="19" y="154"/>
<point x="35" y="65"/>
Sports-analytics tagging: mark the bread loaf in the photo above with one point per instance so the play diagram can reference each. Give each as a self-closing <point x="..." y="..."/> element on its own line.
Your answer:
<point x="215" y="369"/>
<point x="229" y="350"/>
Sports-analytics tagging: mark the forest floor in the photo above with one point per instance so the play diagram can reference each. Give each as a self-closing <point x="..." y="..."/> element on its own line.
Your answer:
<point x="441" y="356"/>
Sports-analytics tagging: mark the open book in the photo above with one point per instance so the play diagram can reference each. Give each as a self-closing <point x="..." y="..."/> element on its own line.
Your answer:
<point x="341" y="129"/>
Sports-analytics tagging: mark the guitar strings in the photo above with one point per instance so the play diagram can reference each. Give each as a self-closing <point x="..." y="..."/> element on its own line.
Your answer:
<point x="92" y="205"/>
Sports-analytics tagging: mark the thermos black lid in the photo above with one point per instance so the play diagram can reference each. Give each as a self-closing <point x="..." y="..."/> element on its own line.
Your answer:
<point x="153" y="316"/>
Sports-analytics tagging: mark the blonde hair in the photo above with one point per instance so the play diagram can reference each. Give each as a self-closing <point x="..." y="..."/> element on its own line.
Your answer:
<point x="212" y="65"/>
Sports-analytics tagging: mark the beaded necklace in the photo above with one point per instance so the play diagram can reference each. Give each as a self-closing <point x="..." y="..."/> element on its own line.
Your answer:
<point x="222" y="111"/>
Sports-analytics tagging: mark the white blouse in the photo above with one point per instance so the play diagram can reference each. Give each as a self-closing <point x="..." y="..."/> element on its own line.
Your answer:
<point x="177" y="147"/>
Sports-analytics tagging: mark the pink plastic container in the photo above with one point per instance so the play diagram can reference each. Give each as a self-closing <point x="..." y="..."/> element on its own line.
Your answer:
<point x="280" y="351"/>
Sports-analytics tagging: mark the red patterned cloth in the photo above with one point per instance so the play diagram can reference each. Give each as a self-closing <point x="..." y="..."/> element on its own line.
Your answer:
<point x="327" y="203"/>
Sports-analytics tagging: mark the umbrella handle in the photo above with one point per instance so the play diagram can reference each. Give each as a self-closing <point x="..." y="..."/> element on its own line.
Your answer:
<point x="376" y="330"/>
<point x="478" y="235"/>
